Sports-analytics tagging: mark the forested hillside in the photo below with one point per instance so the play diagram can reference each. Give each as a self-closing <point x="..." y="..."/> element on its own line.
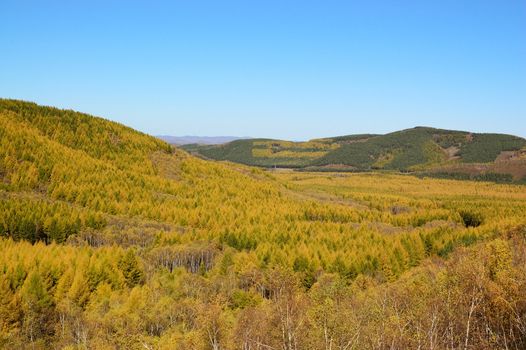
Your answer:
<point x="112" y="239"/>
<point x="429" y="151"/>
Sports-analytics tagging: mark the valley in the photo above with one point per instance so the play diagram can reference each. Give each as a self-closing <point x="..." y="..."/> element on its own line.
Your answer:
<point x="113" y="239"/>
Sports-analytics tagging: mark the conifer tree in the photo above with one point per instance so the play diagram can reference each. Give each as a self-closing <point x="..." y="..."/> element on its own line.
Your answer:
<point x="129" y="266"/>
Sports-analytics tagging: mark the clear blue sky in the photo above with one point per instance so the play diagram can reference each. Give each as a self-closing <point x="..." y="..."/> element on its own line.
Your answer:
<point x="274" y="68"/>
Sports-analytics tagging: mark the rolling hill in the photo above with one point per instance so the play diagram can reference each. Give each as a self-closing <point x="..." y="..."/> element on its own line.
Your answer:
<point x="199" y="140"/>
<point x="113" y="239"/>
<point x="421" y="150"/>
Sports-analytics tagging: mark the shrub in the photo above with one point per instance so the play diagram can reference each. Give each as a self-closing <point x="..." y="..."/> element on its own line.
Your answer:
<point x="471" y="219"/>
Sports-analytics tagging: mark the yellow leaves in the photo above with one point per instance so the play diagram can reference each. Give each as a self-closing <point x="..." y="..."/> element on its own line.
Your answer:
<point x="500" y="258"/>
<point x="23" y="175"/>
<point x="79" y="291"/>
<point x="101" y="300"/>
<point x="10" y="308"/>
<point x="267" y="153"/>
<point x="228" y="225"/>
<point x="385" y="159"/>
<point x="293" y="150"/>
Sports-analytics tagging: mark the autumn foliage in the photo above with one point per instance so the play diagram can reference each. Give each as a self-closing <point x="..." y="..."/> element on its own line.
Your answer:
<point x="111" y="239"/>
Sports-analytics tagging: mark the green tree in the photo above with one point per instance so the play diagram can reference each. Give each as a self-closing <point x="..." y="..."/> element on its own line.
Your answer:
<point x="130" y="268"/>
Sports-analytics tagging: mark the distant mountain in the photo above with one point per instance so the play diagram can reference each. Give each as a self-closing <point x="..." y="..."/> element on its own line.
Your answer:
<point x="200" y="140"/>
<point x="424" y="150"/>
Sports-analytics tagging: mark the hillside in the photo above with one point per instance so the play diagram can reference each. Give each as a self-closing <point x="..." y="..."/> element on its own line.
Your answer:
<point x="423" y="150"/>
<point x="112" y="239"/>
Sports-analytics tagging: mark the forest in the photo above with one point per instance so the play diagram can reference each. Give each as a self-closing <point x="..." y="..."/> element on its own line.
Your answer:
<point x="113" y="239"/>
<point x="422" y="151"/>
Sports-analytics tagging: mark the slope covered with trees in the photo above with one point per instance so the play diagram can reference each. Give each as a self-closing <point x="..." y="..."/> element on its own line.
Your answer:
<point x="416" y="150"/>
<point x="112" y="239"/>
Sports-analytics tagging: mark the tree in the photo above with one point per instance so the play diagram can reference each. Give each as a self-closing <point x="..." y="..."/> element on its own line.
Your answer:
<point x="129" y="266"/>
<point x="37" y="307"/>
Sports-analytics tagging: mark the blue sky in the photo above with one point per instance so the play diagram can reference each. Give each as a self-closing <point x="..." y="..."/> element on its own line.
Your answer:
<point x="282" y="69"/>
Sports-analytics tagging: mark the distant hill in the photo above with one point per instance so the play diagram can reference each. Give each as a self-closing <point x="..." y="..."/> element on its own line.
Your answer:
<point x="199" y="140"/>
<point x="428" y="151"/>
